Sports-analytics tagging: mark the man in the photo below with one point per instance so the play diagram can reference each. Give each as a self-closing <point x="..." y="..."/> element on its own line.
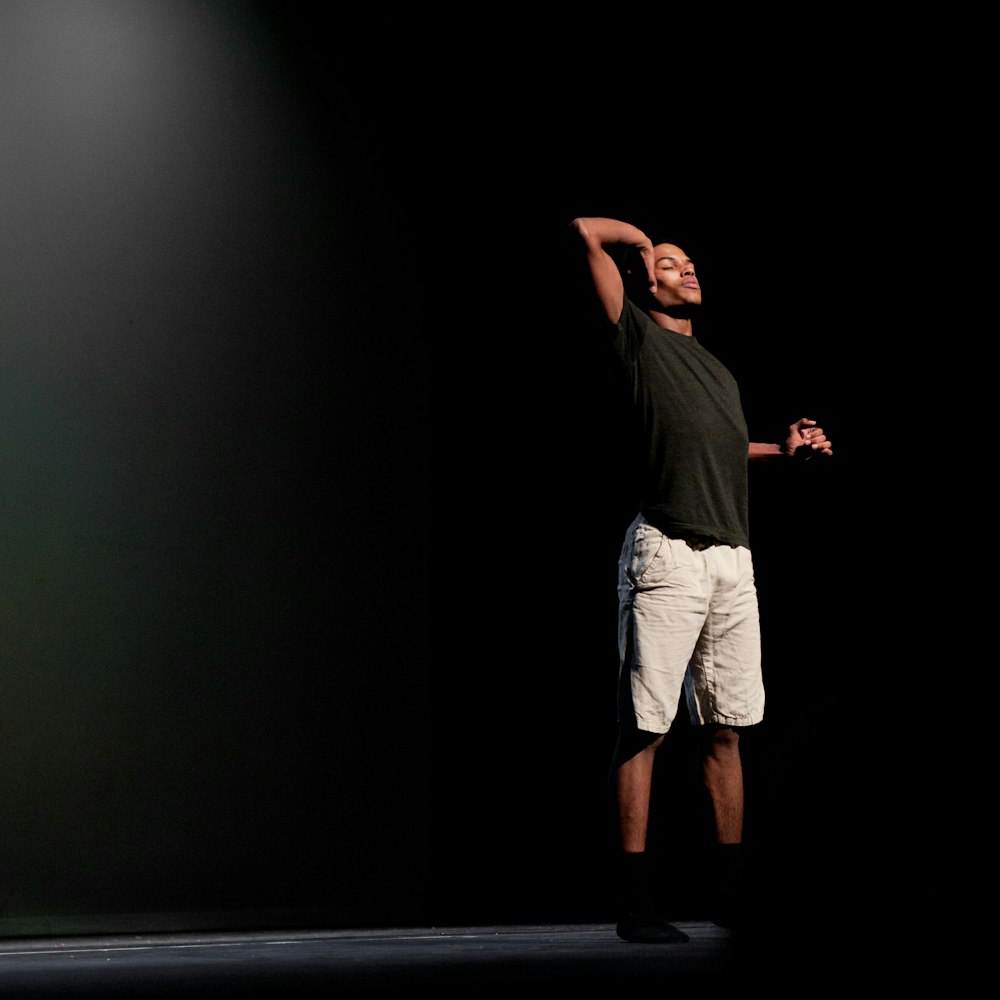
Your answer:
<point x="688" y="610"/>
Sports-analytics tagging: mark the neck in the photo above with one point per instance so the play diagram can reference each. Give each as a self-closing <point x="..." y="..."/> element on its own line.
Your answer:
<point x="671" y="321"/>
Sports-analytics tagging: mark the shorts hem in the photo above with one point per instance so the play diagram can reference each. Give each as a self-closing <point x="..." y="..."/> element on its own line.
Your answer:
<point x="656" y="728"/>
<point x="740" y="722"/>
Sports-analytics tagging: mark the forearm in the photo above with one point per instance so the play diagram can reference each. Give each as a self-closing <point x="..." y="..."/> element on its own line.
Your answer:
<point x="599" y="232"/>
<point x="761" y="450"/>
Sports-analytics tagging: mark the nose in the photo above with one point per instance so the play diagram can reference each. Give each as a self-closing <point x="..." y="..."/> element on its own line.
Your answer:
<point x="688" y="271"/>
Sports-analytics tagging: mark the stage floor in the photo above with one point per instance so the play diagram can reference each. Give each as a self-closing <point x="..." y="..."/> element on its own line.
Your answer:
<point x="315" y="962"/>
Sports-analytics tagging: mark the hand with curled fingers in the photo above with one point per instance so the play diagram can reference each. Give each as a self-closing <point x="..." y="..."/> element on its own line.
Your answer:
<point x="805" y="440"/>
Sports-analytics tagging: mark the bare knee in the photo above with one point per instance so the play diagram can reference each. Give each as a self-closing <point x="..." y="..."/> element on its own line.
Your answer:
<point x="632" y="742"/>
<point x="721" y="742"/>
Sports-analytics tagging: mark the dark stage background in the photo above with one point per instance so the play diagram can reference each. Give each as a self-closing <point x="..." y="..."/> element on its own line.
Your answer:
<point x="310" y="489"/>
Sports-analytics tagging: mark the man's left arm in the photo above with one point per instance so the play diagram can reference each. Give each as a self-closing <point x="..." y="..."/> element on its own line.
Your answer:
<point x="804" y="440"/>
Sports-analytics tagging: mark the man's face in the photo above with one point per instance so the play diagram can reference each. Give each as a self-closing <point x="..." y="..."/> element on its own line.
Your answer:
<point x="676" y="283"/>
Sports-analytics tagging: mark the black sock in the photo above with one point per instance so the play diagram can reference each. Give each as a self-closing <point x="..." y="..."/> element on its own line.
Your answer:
<point x="729" y="898"/>
<point x="729" y="861"/>
<point x="633" y="880"/>
<point x="641" y="922"/>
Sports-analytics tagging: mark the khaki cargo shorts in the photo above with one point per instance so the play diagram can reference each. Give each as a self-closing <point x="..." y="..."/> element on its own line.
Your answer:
<point x="688" y="624"/>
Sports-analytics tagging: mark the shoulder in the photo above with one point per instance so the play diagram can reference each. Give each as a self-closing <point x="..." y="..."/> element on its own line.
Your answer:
<point x="633" y="319"/>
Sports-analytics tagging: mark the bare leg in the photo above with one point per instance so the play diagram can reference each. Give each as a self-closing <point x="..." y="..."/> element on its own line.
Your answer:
<point x="722" y="774"/>
<point x="632" y="781"/>
<point x="633" y="784"/>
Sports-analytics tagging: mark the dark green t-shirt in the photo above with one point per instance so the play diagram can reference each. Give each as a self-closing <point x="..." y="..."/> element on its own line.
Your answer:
<point x="690" y="432"/>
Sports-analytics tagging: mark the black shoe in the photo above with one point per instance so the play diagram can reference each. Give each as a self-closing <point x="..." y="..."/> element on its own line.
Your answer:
<point x="646" y="926"/>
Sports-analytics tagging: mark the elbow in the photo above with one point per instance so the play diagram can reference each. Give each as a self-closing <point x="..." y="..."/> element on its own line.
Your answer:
<point x="580" y="229"/>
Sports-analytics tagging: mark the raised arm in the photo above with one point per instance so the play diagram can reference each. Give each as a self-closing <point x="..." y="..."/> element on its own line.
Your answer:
<point x="593" y="237"/>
